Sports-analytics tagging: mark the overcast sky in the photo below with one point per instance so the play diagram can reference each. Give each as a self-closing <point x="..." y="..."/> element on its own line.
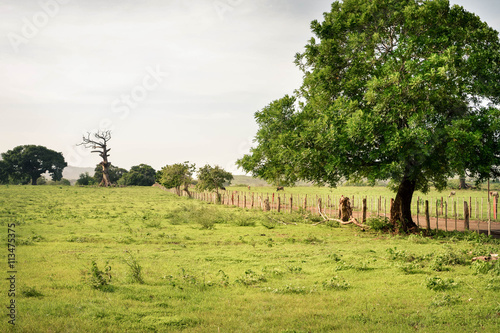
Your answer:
<point x="175" y="80"/>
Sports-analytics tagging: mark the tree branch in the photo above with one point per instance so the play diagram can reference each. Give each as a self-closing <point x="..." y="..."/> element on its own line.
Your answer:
<point x="351" y="221"/>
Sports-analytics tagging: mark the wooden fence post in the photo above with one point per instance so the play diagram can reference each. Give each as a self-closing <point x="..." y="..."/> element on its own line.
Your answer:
<point x="427" y="217"/>
<point x="470" y="207"/>
<point x="291" y="203"/>
<point x="455" y="212"/>
<point x="466" y="215"/>
<point x="279" y="203"/>
<point x="305" y="202"/>
<point x="475" y="212"/>
<point x="319" y="205"/>
<point x="378" y="207"/>
<point x="385" y="207"/>
<point x="495" y="207"/>
<point x="446" y="216"/>
<point x="364" y="210"/>
<point x="437" y="214"/>
<point x="481" y="210"/>
<point x="489" y="216"/>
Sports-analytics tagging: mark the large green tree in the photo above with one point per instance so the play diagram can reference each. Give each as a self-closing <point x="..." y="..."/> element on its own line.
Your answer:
<point x="4" y="172"/>
<point x="179" y="175"/>
<point x="30" y="162"/>
<point x="406" y="90"/>
<point x="139" y="175"/>
<point x="213" y="178"/>
<point x="86" y="179"/>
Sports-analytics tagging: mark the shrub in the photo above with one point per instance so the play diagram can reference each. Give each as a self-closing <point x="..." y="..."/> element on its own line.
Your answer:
<point x="269" y="224"/>
<point x="437" y="284"/>
<point x="485" y="267"/>
<point x="97" y="278"/>
<point x="380" y="224"/>
<point x="245" y="221"/>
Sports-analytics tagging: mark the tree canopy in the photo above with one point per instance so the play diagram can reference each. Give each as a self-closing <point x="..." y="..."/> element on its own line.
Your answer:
<point x="213" y="178"/>
<point x="29" y="162"/>
<point x="86" y="179"/>
<point x="406" y="90"/>
<point x="139" y="175"/>
<point x="176" y="176"/>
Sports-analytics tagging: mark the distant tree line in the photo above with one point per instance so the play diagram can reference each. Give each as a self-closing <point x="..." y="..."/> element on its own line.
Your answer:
<point x="139" y="175"/>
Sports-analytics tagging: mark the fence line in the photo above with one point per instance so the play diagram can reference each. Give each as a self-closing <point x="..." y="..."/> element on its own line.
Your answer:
<point x="464" y="212"/>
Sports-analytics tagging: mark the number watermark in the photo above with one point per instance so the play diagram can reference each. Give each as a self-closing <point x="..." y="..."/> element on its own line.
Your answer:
<point x="11" y="272"/>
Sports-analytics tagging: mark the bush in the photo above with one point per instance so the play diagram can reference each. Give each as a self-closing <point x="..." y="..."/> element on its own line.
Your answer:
<point x="485" y="267"/>
<point x="97" y="278"/>
<point x="437" y="284"/>
<point x="380" y="224"/>
<point x="85" y="179"/>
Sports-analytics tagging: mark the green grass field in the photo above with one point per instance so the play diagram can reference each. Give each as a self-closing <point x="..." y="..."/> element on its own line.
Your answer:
<point x="144" y="260"/>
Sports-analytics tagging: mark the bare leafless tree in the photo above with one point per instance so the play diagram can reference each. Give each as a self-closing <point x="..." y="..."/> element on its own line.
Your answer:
<point x="99" y="143"/>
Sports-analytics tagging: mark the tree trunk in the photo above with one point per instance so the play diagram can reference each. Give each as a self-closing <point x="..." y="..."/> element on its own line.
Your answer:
<point x="345" y="209"/>
<point x="105" y="174"/>
<point x="186" y="189"/>
<point x="463" y="185"/>
<point x="34" y="179"/>
<point x="401" y="209"/>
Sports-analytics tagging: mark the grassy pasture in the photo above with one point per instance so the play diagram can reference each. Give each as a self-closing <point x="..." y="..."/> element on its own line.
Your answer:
<point x="207" y="268"/>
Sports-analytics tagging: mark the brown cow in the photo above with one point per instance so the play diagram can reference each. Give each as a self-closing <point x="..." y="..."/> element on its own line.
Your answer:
<point x="280" y="188"/>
